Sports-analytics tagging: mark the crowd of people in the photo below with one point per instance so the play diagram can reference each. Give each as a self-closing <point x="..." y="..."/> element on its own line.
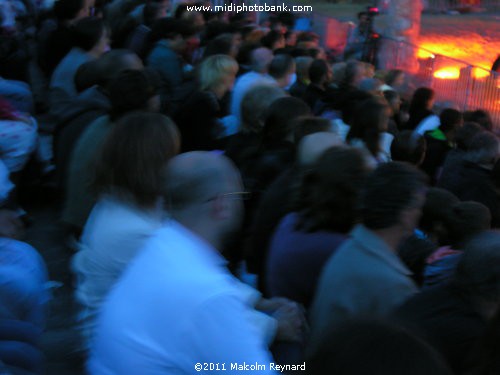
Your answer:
<point x="233" y="197"/>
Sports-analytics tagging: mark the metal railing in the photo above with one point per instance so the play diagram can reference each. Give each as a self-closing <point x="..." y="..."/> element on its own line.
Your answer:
<point x="455" y="82"/>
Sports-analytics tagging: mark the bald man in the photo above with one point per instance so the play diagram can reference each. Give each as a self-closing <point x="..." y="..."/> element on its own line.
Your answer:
<point x="177" y="309"/>
<point x="261" y="60"/>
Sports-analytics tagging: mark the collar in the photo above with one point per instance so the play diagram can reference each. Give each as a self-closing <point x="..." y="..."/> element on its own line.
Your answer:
<point x="437" y="134"/>
<point x="375" y="246"/>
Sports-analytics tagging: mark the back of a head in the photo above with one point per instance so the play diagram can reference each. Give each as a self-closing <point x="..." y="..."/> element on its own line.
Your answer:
<point x="483" y="118"/>
<point x="280" y="118"/>
<point x="306" y="125"/>
<point x="450" y="119"/>
<point x="408" y="146"/>
<point x="390" y="189"/>
<point x="329" y="192"/>
<point x="353" y="72"/>
<point x="132" y="90"/>
<point x="281" y="65"/>
<point x="465" y="220"/>
<point x="437" y="207"/>
<point x="318" y="70"/>
<point x="261" y="59"/>
<point x="106" y="68"/>
<point x="349" y="107"/>
<point x="87" y="32"/>
<point x="465" y="134"/>
<point x="477" y="274"/>
<point x="222" y="44"/>
<point x="302" y="64"/>
<point x="192" y="178"/>
<point x="271" y="38"/>
<point x="375" y="348"/>
<point x="312" y="146"/>
<point x="170" y="28"/>
<point x="419" y="101"/>
<point x="483" y="148"/>
<point x="255" y="104"/>
<point x="133" y="154"/>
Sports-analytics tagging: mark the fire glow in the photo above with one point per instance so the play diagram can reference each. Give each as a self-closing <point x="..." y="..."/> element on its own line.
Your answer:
<point x="473" y="49"/>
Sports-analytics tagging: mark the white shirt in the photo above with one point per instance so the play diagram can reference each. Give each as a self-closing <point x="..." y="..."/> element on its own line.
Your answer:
<point x="113" y="235"/>
<point x="243" y="85"/>
<point x="176" y="306"/>
<point x="429" y="123"/>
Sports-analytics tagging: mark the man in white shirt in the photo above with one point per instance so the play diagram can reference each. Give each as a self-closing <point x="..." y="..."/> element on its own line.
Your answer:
<point x="261" y="60"/>
<point x="177" y="308"/>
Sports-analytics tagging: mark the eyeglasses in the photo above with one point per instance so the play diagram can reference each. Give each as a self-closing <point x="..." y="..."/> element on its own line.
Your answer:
<point x="243" y="195"/>
<point x="237" y="195"/>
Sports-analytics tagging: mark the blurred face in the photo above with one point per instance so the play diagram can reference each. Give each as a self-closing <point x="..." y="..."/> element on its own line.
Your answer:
<point x="430" y="104"/>
<point x="399" y="81"/>
<point x="292" y="39"/>
<point x="280" y="43"/>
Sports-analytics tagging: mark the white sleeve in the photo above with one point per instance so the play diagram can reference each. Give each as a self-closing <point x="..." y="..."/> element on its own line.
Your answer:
<point x="221" y="332"/>
<point x="429" y="123"/>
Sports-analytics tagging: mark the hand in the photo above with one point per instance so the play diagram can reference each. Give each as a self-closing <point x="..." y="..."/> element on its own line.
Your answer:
<point x="10" y="224"/>
<point x="291" y="322"/>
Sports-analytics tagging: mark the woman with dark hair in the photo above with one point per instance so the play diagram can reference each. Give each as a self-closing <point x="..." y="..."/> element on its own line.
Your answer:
<point x="127" y="179"/>
<point x="277" y="150"/>
<point x="369" y="130"/>
<point x="326" y="210"/>
<point x="91" y="40"/>
<point x="421" y="109"/>
<point x="131" y="90"/>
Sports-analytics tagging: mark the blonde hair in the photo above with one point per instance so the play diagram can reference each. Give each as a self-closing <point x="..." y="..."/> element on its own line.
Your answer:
<point x="214" y="69"/>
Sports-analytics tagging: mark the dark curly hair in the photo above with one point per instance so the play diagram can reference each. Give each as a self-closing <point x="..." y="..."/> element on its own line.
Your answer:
<point x="328" y="195"/>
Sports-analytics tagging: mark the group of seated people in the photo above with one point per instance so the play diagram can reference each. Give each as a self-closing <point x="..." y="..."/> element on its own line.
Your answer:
<point x="234" y="201"/>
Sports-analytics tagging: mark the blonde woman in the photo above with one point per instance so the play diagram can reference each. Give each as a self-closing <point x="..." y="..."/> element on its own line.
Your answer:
<point x="199" y="119"/>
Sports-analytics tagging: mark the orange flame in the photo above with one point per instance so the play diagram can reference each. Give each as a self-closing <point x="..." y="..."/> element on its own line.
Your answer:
<point x="473" y="49"/>
<point x="447" y="73"/>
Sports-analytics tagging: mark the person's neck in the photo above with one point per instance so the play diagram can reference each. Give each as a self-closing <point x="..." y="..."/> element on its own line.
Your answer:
<point x="198" y="227"/>
<point x="391" y="236"/>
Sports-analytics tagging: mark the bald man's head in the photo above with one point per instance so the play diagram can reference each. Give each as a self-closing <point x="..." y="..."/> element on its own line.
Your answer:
<point x="196" y="177"/>
<point x="313" y="145"/>
<point x="261" y="59"/>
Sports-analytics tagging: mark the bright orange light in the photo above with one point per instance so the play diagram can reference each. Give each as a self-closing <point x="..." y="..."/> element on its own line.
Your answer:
<point x="422" y="54"/>
<point x="474" y="49"/>
<point x="447" y="73"/>
<point x="480" y="73"/>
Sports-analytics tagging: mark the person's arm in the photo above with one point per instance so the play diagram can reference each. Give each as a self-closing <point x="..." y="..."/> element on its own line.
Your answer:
<point x="220" y="332"/>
